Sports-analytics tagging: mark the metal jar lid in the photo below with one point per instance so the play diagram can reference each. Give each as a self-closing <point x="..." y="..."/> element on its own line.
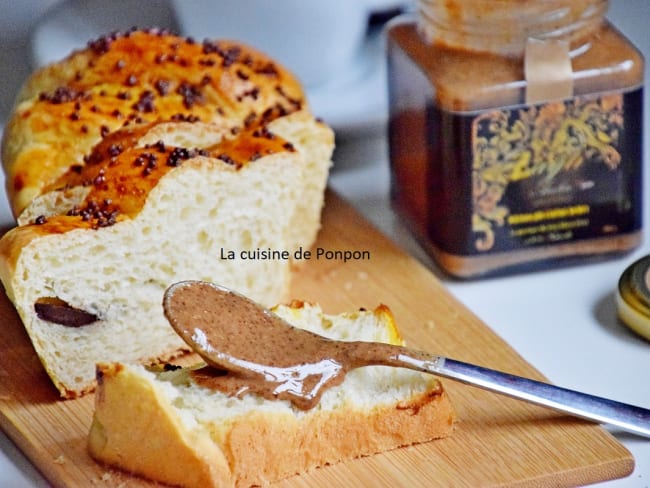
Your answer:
<point x="633" y="297"/>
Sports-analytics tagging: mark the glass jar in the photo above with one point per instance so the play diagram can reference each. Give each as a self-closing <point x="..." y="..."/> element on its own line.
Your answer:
<point x="515" y="133"/>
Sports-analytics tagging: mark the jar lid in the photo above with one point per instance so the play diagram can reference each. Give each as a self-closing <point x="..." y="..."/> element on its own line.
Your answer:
<point x="633" y="297"/>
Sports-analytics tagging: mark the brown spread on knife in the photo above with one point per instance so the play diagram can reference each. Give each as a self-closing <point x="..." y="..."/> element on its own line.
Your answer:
<point x="293" y="364"/>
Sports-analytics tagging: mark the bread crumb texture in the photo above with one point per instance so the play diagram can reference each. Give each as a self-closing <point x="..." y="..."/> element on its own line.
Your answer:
<point x="130" y="164"/>
<point x="163" y="426"/>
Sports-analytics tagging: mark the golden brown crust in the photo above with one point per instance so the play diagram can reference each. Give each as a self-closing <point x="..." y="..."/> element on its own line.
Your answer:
<point x="11" y="245"/>
<point x="265" y="448"/>
<point x="258" y="448"/>
<point x="95" y="140"/>
<point x="155" y="445"/>
<point x="132" y="78"/>
<point x="118" y="182"/>
<point x="118" y="176"/>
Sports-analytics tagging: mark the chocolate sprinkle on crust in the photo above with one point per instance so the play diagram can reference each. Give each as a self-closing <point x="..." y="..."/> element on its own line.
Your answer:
<point x="162" y="87"/>
<point x="145" y="102"/>
<point x="191" y="94"/>
<point x="136" y="78"/>
<point x="62" y="94"/>
<point x="101" y="214"/>
<point x="227" y="159"/>
<point x="180" y="154"/>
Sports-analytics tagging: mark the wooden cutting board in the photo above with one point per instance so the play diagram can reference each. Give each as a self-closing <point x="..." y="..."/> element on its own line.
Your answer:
<point x="498" y="441"/>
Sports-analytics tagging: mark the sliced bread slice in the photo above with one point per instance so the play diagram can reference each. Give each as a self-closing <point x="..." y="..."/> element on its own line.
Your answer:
<point x="164" y="426"/>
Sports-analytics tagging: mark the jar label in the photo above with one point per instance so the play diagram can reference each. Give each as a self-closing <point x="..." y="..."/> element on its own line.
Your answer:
<point x="535" y="175"/>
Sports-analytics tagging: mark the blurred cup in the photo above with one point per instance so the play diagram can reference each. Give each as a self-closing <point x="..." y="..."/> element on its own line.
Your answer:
<point x="315" y="39"/>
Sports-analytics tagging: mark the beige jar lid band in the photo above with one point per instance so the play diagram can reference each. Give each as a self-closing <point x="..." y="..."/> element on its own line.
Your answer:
<point x="548" y="70"/>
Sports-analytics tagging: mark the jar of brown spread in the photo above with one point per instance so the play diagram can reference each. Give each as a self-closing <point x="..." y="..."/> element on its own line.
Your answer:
<point x="515" y="133"/>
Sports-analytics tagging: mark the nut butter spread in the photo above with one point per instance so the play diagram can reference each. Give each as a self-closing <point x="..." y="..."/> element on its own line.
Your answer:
<point x="251" y="350"/>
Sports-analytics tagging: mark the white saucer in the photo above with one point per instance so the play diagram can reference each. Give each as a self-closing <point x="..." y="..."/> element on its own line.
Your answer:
<point x="72" y="23"/>
<point x="355" y="101"/>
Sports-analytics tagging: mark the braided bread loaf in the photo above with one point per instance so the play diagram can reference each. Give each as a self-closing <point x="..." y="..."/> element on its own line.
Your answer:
<point x="137" y="162"/>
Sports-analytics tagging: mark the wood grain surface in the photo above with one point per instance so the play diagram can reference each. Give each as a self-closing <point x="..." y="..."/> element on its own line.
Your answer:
<point x="497" y="442"/>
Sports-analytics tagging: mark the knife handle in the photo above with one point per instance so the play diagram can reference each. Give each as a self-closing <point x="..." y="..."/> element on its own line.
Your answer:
<point x="602" y="410"/>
